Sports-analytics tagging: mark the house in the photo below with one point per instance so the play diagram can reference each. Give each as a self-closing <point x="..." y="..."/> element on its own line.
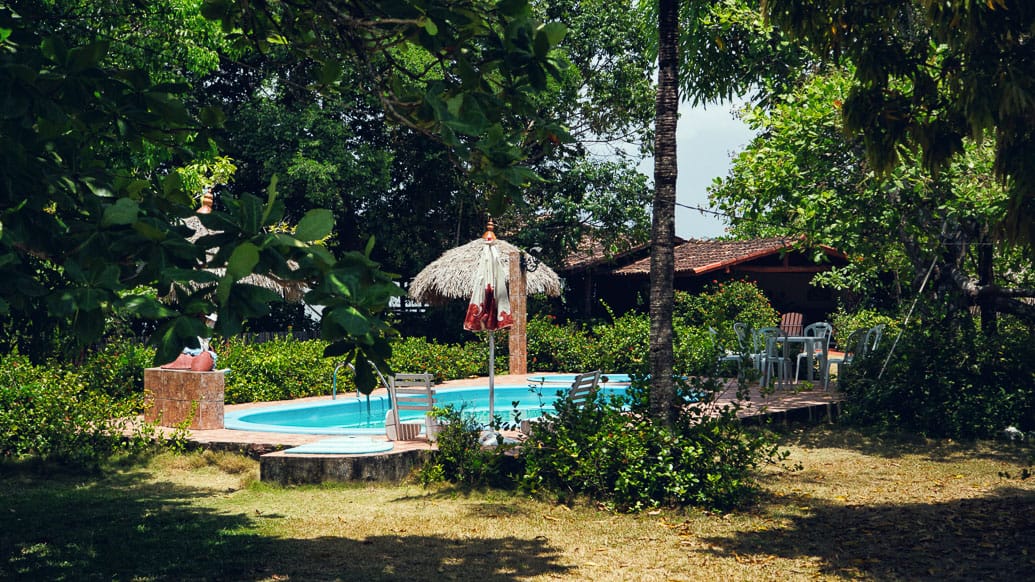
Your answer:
<point x="781" y="269"/>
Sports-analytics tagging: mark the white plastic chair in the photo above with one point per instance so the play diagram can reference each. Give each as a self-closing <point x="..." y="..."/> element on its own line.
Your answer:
<point x="817" y="349"/>
<point x="581" y="391"/>
<point x="774" y="360"/>
<point x="854" y="346"/>
<point x="408" y="392"/>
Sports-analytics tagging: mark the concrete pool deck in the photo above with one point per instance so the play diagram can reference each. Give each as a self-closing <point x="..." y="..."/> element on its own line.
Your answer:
<point x="800" y="402"/>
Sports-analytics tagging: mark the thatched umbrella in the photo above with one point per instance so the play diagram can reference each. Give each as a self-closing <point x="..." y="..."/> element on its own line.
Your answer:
<point x="479" y="272"/>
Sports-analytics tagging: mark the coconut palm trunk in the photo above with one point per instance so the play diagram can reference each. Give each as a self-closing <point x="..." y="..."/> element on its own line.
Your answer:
<point x="662" y="393"/>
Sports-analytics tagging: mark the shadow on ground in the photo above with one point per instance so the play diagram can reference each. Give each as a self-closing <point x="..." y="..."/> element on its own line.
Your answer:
<point x="988" y="538"/>
<point x="120" y="528"/>
<point x="891" y="445"/>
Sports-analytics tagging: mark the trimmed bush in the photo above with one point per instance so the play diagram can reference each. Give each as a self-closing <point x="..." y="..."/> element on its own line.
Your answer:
<point x="558" y="348"/>
<point x="448" y="361"/>
<point x="277" y="370"/>
<point x="622" y="346"/>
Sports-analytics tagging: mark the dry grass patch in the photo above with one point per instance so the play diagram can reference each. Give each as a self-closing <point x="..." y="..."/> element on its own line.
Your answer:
<point x="859" y="509"/>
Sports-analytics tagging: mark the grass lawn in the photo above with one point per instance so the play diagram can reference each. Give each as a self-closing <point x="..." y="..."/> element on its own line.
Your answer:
<point x="860" y="508"/>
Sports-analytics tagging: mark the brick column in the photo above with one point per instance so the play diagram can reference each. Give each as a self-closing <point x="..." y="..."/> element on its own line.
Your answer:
<point x="519" y="309"/>
<point x="173" y="396"/>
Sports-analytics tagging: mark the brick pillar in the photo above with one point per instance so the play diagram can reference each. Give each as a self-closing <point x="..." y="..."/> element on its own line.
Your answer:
<point x="174" y="396"/>
<point x="519" y="309"/>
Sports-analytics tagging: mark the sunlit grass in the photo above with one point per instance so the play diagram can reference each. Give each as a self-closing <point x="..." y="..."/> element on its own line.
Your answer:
<point x="860" y="508"/>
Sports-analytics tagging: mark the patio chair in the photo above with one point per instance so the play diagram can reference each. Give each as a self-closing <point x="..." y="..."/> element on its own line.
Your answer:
<point x="817" y="349"/>
<point x="854" y="346"/>
<point x="408" y="392"/>
<point x="582" y="390"/>
<point x="873" y="337"/>
<point x="749" y="343"/>
<point x="791" y="323"/>
<point x="722" y="355"/>
<point x="774" y="360"/>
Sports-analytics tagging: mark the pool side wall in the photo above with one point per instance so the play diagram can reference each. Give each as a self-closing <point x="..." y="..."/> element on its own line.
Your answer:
<point x="289" y="469"/>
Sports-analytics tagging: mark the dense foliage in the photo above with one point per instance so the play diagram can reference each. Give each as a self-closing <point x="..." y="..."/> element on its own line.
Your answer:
<point x="53" y="414"/>
<point x="946" y="380"/>
<point x="612" y="452"/>
<point x="460" y="457"/>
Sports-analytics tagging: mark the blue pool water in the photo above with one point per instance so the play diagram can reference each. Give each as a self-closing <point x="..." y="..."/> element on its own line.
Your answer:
<point x="350" y="415"/>
<point x="605" y="379"/>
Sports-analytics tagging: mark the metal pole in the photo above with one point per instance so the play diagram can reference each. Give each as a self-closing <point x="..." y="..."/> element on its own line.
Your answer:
<point x="492" y="375"/>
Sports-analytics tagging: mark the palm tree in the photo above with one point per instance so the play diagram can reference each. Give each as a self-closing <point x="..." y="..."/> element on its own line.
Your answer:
<point x="662" y="268"/>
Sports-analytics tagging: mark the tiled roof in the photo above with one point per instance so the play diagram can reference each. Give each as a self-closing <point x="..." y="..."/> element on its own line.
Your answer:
<point x="696" y="257"/>
<point x="591" y="252"/>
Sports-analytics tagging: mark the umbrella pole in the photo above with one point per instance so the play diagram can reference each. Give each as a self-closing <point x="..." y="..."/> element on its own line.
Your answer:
<point x="492" y="376"/>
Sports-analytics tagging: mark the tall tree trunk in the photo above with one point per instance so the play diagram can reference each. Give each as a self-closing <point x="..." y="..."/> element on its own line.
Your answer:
<point x="662" y="268"/>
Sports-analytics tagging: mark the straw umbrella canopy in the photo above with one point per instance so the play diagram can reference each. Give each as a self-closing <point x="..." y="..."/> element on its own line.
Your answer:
<point x="451" y="276"/>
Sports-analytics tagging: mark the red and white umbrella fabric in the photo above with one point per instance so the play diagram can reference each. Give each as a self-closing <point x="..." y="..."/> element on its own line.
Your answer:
<point x="489" y="307"/>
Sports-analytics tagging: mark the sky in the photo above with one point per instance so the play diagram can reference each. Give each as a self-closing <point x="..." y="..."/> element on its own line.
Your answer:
<point x="707" y="138"/>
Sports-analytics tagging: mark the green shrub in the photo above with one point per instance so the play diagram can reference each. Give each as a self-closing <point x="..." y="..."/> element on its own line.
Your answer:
<point x="276" y="370"/>
<point x="622" y="346"/>
<point x="461" y="459"/>
<point x="945" y="380"/>
<point x="623" y="458"/>
<point x="448" y="361"/>
<point x="52" y="414"/>
<point x="118" y="368"/>
<point x="723" y="304"/>
<point x="558" y="348"/>
<point x="845" y="323"/>
<point x="695" y="352"/>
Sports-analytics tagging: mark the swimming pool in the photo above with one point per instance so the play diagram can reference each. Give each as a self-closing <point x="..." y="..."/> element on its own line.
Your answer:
<point x="362" y="416"/>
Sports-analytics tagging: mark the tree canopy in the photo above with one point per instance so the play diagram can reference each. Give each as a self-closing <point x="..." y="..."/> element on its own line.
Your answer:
<point x="928" y="75"/>
<point x="96" y="127"/>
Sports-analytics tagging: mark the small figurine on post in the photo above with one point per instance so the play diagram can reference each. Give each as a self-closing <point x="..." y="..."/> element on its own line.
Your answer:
<point x="199" y="359"/>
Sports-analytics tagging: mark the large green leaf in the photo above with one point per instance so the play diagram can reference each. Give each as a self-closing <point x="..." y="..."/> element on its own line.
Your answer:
<point x="242" y="260"/>
<point x="315" y="225"/>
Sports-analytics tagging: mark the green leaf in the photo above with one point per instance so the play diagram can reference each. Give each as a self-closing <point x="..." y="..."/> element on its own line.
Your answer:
<point x="146" y="307"/>
<point x="271" y="196"/>
<point x="339" y="348"/>
<point x="242" y="260"/>
<point x="350" y="319"/>
<point x="366" y="381"/>
<point x="252" y="214"/>
<point x="315" y="225"/>
<point x="554" y="31"/>
<point x="430" y="27"/>
<point x="124" y="211"/>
